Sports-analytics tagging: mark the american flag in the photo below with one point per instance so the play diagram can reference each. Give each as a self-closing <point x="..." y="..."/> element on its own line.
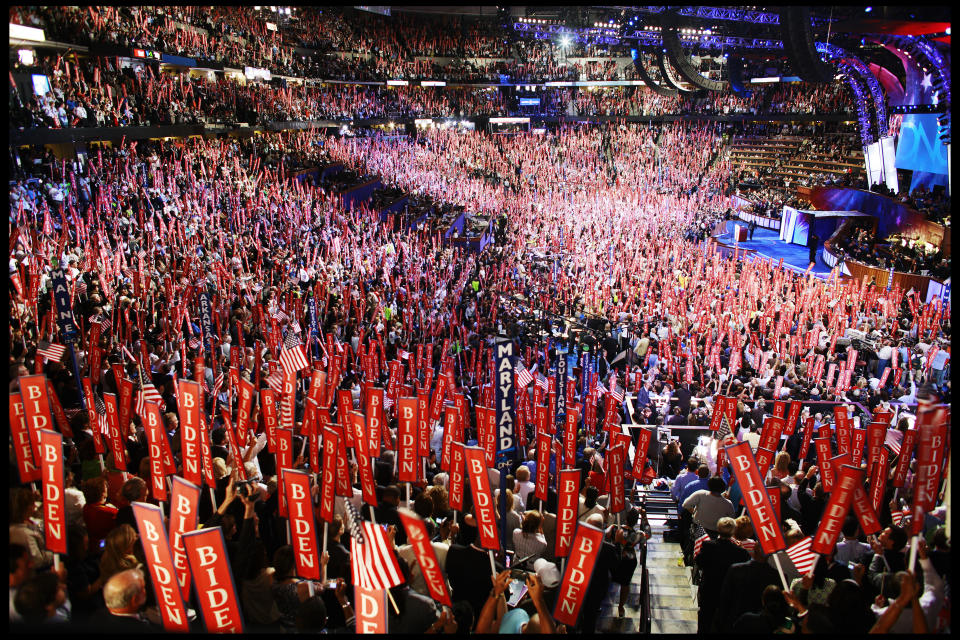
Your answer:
<point x="801" y="556"/>
<point x="747" y="544"/>
<point x="49" y="351"/>
<point x="404" y="355"/>
<point x="600" y="388"/>
<point x="701" y="537"/>
<point x="897" y="516"/>
<point x="148" y="393"/>
<point x="373" y="563"/>
<point x="279" y="315"/>
<point x="616" y="393"/>
<point x="102" y="320"/>
<point x="724" y="429"/>
<point x="292" y="357"/>
<point x="523" y="376"/>
<point x="194" y="342"/>
<point x="542" y="381"/>
<point x="81" y="287"/>
<point x="275" y="381"/>
<point x="387" y="402"/>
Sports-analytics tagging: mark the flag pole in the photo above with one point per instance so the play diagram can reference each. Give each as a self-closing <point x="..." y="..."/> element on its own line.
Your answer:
<point x="326" y="529"/>
<point x="783" y="578"/>
<point x="913" y="552"/>
<point x="493" y="567"/>
<point x="408" y="495"/>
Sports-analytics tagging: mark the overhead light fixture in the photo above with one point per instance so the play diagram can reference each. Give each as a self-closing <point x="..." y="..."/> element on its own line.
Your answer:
<point x="868" y="9"/>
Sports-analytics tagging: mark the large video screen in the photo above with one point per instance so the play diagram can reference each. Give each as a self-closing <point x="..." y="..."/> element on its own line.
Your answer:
<point x="920" y="148"/>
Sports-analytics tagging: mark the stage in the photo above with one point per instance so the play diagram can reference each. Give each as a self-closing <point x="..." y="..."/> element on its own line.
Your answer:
<point x="766" y="243"/>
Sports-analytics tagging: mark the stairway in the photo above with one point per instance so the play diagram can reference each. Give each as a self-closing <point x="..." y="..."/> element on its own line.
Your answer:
<point x="672" y="607"/>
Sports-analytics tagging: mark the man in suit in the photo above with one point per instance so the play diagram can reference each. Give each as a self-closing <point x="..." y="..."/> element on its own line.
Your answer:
<point x="714" y="559"/>
<point x="742" y="588"/>
<point x="812" y="242"/>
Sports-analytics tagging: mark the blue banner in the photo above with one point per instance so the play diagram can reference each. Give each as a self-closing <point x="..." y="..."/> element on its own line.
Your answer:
<point x="506" y="427"/>
<point x="61" y="298"/>
<point x="205" y="319"/>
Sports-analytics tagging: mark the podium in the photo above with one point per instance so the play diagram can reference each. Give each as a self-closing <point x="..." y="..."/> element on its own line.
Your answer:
<point x="739" y="233"/>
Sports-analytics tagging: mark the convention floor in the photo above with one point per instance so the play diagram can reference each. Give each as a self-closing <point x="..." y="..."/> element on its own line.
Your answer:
<point x="767" y="243"/>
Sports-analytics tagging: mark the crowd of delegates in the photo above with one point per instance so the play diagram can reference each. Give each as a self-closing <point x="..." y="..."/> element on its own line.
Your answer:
<point x="83" y="96"/>
<point x="793" y="98"/>
<point x="903" y="255"/>
<point x="591" y="223"/>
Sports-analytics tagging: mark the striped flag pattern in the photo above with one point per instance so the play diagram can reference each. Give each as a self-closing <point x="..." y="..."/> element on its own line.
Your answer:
<point x="701" y="537"/>
<point x="373" y="563"/>
<point x="53" y="352"/>
<point x="275" y="381"/>
<point x="523" y="376"/>
<point x="801" y="556"/>
<point x="897" y="516"/>
<point x="542" y="381"/>
<point x="292" y="357"/>
<point x="148" y="393"/>
<point x="616" y="393"/>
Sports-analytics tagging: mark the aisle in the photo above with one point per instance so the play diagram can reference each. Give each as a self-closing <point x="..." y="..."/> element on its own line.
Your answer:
<point x="672" y="608"/>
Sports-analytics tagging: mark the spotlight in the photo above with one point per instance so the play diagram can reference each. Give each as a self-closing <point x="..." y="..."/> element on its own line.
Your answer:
<point x="948" y="31"/>
<point x="868" y="9"/>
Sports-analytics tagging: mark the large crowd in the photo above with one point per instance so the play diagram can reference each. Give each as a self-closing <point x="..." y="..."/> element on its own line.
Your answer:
<point x="213" y="260"/>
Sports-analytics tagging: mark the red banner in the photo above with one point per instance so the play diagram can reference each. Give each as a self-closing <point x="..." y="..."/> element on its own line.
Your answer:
<point x="847" y="481"/>
<point x="123" y="405"/>
<point x="92" y="415"/>
<point x="36" y="409"/>
<point x="576" y="576"/>
<point x="823" y="461"/>
<point x="183" y="518"/>
<point x="866" y="514"/>
<point x="436" y="402"/>
<point x="482" y="500"/>
<point x="755" y="498"/>
<point x="568" y="501"/>
<point x="188" y="402"/>
<point x="371" y="609"/>
<point x="544" y="442"/>
<point x="423" y="426"/>
<point x="795" y="408"/>
<point x="113" y="429"/>
<point x="931" y="449"/>
<point x="216" y="591"/>
<point x="878" y="480"/>
<point x="858" y="438"/>
<point x="407" y="436"/>
<point x="904" y="457"/>
<point x="328" y="485"/>
<point x="419" y="539"/>
<point x="367" y="484"/>
<point x="615" y="456"/>
<point x="451" y="433"/>
<point x="343" y="487"/>
<point x="156" y="548"/>
<point x="375" y="421"/>
<point x="303" y="536"/>
<point x="288" y="399"/>
<point x="807" y="435"/>
<point x="54" y="510"/>
<point x="58" y="412"/>
<point x="244" y="402"/>
<point x="29" y="472"/>
<point x="570" y="436"/>
<point x="844" y="435"/>
<point x="640" y="453"/>
<point x="153" y="427"/>
<point x="268" y="412"/>
<point x="456" y="476"/>
<point x="771" y="432"/>
<point x="284" y="461"/>
<point x="876" y="436"/>
<point x="764" y="458"/>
